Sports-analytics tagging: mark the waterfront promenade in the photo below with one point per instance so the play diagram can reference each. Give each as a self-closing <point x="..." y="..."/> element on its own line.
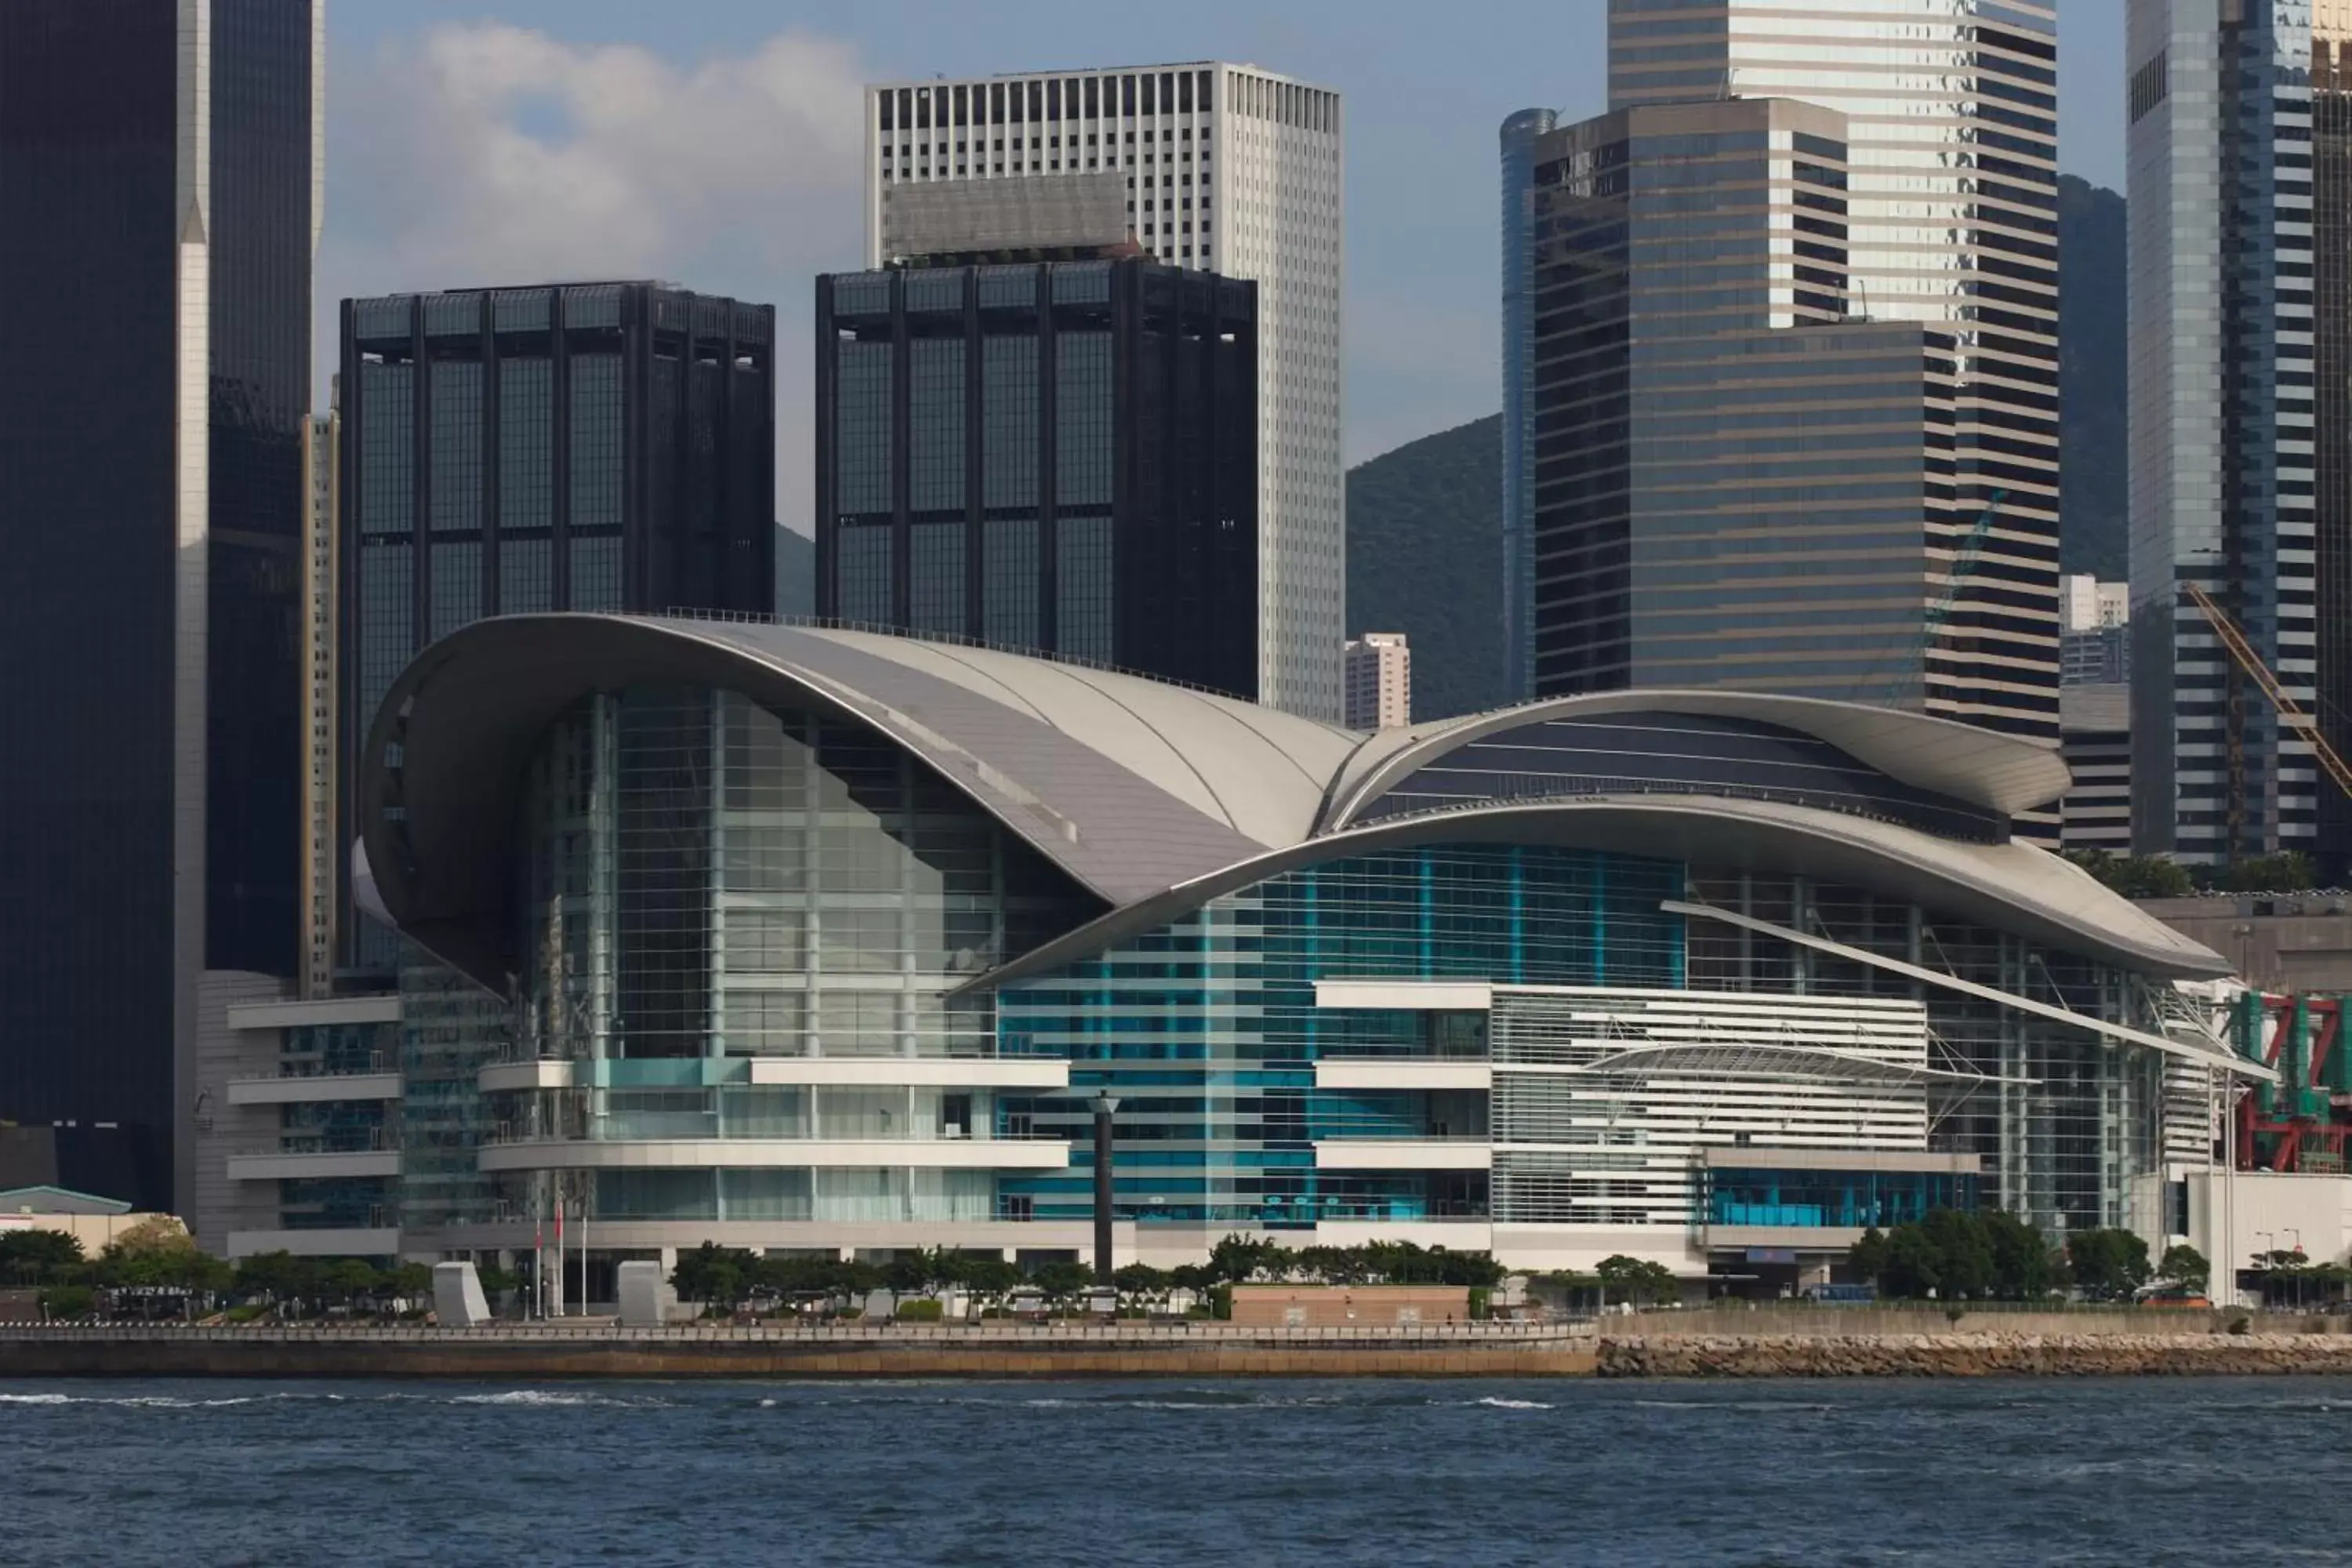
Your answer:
<point x="1663" y="1345"/>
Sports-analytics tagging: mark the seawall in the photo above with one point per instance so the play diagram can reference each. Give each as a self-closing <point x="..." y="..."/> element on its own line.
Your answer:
<point x="758" y="1353"/>
<point x="1655" y="1345"/>
<point x="1961" y="1354"/>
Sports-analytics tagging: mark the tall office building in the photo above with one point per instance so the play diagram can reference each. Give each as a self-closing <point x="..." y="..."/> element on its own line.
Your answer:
<point x="1951" y="108"/>
<point x="159" y="208"/>
<point x="575" y="447"/>
<point x="1379" y="672"/>
<point x="2229" y="456"/>
<point x="1228" y="169"/>
<point x="1519" y="136"/>
<point x="322" y="719"/>
<point x="2094" y="631"/>
<point x="1055" y="455"/>
<point x="2331" y="249"/>
<point x="1738" y="484"/>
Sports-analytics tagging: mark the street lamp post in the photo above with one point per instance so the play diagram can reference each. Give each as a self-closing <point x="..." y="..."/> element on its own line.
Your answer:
<point x="1104" y="1106"/>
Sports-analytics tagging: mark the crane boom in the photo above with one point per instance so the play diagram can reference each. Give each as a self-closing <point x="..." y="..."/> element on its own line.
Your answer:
<point x="2290" y="713"/>
<point x="1931" y="623"/>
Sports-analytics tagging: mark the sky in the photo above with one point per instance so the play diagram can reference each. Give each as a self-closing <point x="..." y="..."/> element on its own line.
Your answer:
<point x="717" y="143"/>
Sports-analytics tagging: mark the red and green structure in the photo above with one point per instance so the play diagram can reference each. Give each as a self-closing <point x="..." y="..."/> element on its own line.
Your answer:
<point x="2301" y="1122"/>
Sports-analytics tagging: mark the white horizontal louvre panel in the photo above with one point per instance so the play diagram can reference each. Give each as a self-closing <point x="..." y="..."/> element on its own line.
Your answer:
<point x="1603" y="1098"/>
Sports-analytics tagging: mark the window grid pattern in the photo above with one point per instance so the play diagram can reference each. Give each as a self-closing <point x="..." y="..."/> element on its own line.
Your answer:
<point x="1083" y="589"/>
<point x="864" y="429"/>
<point x="1083" y="420"/>
<point x="935" y="433"/>
<point x="597" y="480"/>
<point x="387" y="486"/>
<point x="1010" y="602"/>
<point x="455" y="598"/>
<point x="526" y="576"/>
<point x="864" y="565"/>
<point x="526" y="445"/>
<point x="936" y="587"/>
<point x="456" y="450"/>
<point x="1008" y="431"/>
<point x="595" y="573"/>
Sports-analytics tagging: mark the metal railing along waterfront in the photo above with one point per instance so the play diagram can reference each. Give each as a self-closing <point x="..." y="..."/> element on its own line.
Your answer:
<point x="993" y="1333"/>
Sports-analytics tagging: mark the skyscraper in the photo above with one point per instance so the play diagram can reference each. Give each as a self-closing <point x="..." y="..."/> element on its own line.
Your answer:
<point x="575" y="447"/>
<point x="2331" y="249"/>
<point x="322" y="716"/>
<point x="1519" y="137"/>
<point x="1951" y="108"/>
<point x="1058" y="455"/>
<point x="1380" y="681"/>
<point x="2228" y="460"/>
<point x="1228" y="169"/>
<point x="1738" y="484"/>
<point x="160" y="205"/>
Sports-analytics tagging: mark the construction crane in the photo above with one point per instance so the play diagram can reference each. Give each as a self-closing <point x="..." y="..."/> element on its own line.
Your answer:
<point x="1972" y="545"/>
<point x="2290" y="713"/>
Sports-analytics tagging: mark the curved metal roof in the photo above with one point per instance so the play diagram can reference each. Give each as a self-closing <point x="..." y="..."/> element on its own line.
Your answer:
<point x="1156" y="797"/>
<point x="1131" y="785"/>
<point x="2007" y="773"/>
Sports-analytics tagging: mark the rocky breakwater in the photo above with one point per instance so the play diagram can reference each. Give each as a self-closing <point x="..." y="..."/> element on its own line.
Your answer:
<point x="1977" y="1355"/>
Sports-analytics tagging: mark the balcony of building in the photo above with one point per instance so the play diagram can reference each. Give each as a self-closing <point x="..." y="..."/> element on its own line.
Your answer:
<point x="507" y="1150"/>
<point x="1412" y="1130"/>
<point x="314" y="1080"/>
<point x="346" y="1152"/>
<point x="1442" y="1046"/>
<point x="854" y="1070"/>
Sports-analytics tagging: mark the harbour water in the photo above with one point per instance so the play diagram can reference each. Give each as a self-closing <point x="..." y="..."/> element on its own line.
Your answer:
<point x="2158" y="1471"/>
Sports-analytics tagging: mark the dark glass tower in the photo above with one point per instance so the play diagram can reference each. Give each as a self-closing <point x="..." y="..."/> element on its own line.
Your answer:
<point x="1519" y="137"/>
<point x="1058" y="455"/>
<point x="581" y="446"/>
<point x="158" y="209"/>
<point x="1740" y="484"/>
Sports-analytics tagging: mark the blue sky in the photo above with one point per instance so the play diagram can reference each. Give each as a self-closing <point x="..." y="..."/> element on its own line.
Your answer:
<point x="714" y="142"/>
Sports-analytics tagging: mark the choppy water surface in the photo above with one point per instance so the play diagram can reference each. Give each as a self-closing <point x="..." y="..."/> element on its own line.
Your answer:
<point x="2154" y="1472"/>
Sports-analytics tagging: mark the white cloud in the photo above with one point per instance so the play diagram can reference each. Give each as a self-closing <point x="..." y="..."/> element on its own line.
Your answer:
<point x="492" y="154"/>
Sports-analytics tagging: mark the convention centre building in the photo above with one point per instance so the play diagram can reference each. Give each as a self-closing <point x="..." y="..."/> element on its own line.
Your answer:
<point x="798" y="937"/>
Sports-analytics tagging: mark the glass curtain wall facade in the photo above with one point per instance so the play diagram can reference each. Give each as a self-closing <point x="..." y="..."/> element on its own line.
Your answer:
<point x="1058" y="456"/>
<point x="1208" y="1032"/>
<point x="1738" y="484"/>
<point x="157" y="195"/>
<point x="2067" y="1138"/>
<point x="591" y="447"/>
<point x="709" y="882"/>
<point x="339" y="1203"/>
<point x="1951" y="115"/>
<point x="1519" y="137"/>
<point x="2221" y="150"/>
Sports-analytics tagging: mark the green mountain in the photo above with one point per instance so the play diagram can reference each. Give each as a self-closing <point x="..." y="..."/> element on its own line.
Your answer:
<point x="1425" y="558"/>
<point x="1424" y="522"/>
